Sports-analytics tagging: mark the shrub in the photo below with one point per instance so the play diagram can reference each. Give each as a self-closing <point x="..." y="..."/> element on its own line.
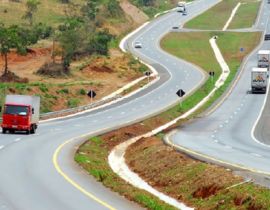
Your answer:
<point x="73" y="102"/>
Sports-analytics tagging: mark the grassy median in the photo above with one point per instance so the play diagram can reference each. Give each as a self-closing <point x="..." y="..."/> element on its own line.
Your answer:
<point x="94" y="153"/>
<point x="217" y="16"/>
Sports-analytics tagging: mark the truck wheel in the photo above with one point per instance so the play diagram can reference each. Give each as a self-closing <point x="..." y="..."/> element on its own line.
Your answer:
<point x="27" y="132"/>
<point x="4" y="130"/>
<point x="33" y="129"/>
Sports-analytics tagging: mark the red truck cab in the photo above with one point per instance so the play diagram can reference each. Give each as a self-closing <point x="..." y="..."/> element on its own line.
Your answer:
<point x="16" y="117"/>
<point x="20" y="113"/>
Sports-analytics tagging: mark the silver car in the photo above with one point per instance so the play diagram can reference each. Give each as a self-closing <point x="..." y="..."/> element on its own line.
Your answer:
<point x="137" y="44"/>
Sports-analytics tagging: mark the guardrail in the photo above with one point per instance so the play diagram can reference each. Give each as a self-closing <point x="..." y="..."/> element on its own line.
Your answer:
<point x="74" y="110"/>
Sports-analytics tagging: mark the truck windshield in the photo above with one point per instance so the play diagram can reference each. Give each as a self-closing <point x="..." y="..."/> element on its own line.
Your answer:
<point x="16" y="110"/>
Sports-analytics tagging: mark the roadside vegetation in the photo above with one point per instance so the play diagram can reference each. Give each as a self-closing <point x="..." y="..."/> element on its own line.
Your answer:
<point x="72" y="45"/>
<point x="168" y="171"/>
<point x="152" y="7"/>
<point x="244" y="17"/>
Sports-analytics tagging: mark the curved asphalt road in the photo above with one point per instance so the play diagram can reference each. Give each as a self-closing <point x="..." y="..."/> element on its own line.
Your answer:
<point x="226" y="135"/>
<point x="28" y="178"/>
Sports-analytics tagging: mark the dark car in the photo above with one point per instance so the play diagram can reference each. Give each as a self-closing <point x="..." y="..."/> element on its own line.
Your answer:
<point x="267" y="37"/>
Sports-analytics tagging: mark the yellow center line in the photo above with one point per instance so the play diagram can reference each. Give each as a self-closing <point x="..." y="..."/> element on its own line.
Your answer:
<point x="68" y="179"/>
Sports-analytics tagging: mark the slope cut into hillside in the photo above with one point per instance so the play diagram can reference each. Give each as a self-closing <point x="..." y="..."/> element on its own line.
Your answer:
<point x="133" y="12"/>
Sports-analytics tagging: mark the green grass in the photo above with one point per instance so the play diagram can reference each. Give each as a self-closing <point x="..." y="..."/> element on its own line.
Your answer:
<point x="217" y="16"/>
<point x="50" y="12"/>
<point x="214" y="18"/>
<point x="245" y="15"/>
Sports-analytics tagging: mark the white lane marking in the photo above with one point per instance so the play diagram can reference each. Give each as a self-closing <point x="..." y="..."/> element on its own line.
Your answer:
<point x="2" y="146"/>
<point x="235" y="113"/>
<point x="226" y="121"/>
<point x="109" y="117"/>
<point x="228" y="147"/>
<point x="259" y="117"/>
<point x="216" y="140"/>
<point x="213" y="136"/>
<point x="221" y="126"/>
<point x="18" y="139"/>
<point x="123" y="113"/>
<point x="256" y="155"/>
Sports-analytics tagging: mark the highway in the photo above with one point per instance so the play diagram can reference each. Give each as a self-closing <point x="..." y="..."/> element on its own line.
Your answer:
<point x="230" y="135"/>
<point x="30" y="165"/>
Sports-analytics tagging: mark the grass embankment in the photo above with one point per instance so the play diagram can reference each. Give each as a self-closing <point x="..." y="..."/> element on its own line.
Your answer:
<point x="201" y="185"/>
<point x="50" y="12"/>
<point x="216" y="17"/>
<point x="93" y="154"/>
<point x="245" y="15"/>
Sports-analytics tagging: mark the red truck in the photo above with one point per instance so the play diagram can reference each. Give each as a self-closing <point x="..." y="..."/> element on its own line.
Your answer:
<point x="20" y="113"/>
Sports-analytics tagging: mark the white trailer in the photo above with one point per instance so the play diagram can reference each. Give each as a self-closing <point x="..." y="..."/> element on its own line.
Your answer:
<point x="263" y="58"/>
<point x="259" y="80"/>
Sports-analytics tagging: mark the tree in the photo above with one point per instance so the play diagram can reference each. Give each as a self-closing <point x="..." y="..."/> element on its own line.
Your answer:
<point x="7" y="39"/>
<point x="32" y="6"/>
<point x="90" y="9"/>
<point x="70" y="40"/>
<point x="114" y="8"/>
<point x="99" y="43"/>
<point x="15" y="37"/>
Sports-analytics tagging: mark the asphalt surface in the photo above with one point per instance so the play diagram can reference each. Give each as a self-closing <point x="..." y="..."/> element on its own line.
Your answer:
<point x="29" y="179"/>
<point x="226" y="135"/>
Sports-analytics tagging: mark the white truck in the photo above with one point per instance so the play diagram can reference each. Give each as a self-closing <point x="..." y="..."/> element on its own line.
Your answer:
<point x="21" y="113"/>
<point x="263" y="58"/>
<point x="181" y="6"/>
<point x="259" y="80"/>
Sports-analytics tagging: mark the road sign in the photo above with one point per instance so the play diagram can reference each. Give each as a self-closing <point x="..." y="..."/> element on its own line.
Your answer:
<point x="180" y="93"/>
<point x="147" y="73"/>
<point x="211" y="73"/>
<point x="91" y="94"/>
<point x="242" y="49"/>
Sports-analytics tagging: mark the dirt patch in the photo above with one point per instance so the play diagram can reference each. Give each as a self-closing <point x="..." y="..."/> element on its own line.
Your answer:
<point x="206" y="191"/>
<point x="11" y="77"/>
<point x="133" y="12"/>
<point x="99" y="69"/>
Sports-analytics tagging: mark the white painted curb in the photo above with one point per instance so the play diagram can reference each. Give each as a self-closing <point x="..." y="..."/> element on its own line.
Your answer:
<point x="231" y="17"/>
